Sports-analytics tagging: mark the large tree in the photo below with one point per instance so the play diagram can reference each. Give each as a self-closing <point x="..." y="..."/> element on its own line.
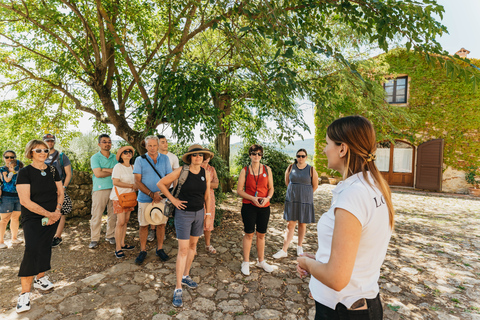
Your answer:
<point x="224" y="65"/>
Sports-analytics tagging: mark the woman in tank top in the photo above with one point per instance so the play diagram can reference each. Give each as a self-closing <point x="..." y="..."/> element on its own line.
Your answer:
<point x="255" y="186"/>
<point x="302" y="181"/>
<point x="189" y="213"/>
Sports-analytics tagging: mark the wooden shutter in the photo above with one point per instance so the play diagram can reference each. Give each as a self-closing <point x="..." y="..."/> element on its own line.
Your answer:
<point x="429" y="165"/>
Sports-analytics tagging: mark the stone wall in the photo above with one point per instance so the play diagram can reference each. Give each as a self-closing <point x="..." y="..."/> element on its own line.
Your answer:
<point x="454" y="181"/>
<point x="80" y="190"/>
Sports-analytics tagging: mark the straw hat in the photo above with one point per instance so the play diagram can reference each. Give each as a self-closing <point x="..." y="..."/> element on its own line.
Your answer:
<point x="120" y="151"/>
<point x="196" y="148"/>
<point x="154" y="213"/>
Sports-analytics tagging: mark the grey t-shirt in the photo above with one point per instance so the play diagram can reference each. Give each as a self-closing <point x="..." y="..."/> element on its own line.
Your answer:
<point x="57" y="163"/>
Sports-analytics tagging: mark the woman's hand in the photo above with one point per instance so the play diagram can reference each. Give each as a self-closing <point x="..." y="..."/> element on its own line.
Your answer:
<point x="208" y="223"/>
<point x="256" y="201"/>
<point x="157" y="197"/>
<point x="54" y="217"/>
<point x="302" y="267"/>
<point x="179" y="204"/>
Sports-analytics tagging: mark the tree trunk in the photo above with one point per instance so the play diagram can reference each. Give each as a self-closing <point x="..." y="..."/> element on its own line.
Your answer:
<point x="222" y="141"/>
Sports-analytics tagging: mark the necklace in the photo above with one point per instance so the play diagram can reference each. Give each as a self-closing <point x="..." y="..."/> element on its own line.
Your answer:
<point x="42" y="171"/>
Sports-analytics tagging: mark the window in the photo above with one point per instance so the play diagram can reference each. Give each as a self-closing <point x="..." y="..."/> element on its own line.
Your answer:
<point x="396" y="90"/>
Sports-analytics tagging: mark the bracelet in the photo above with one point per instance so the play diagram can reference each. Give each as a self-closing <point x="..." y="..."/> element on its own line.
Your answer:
<point x="208" y="214"/>
<point x="149" y="193"/>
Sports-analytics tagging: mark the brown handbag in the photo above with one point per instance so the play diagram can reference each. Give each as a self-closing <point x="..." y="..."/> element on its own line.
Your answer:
<point x="127" y="200"/>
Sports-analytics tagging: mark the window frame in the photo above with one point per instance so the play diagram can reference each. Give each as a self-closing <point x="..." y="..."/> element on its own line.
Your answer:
<point x="394" y="94"/>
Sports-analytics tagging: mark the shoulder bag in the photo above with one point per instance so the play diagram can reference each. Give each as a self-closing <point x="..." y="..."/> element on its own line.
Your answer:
<point x="169" y="210"/>
<point x="127" y="200"/>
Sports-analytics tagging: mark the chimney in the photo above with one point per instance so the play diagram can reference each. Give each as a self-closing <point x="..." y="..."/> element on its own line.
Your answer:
<point x="462" y="53"/>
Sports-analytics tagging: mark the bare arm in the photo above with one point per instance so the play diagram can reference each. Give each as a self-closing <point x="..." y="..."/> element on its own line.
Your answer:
<point x="336" y="273"/>
<point x="165" y="182"/>
<point x="24" y="196"/>
<point x="287" y="175"/>
<point x="118" y="183"/>
<point x="102" y="172"/>
<point x="68" y="175"/>
<point x="314" y="179"/>
<point x="271" y="190"/>
<point x="241" y="186"/>
<point x="214" y="182"/>
<point x="5" y="176"/>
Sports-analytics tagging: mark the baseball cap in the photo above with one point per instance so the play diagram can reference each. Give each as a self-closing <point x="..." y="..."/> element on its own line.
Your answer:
<point x="49" y="137"/>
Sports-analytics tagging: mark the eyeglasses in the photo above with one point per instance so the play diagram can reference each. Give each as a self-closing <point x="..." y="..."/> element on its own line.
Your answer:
<point x="41" y="150"/>
<point x="197" y="155"/>
<point x="106" y="142"/>
<point x="301" y="156"/>
<point x="127" y="151"/>
<point x="8" y="157"/>
<point x="256" y="154"/>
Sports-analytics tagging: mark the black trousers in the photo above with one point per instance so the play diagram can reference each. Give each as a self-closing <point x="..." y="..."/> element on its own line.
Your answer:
<point x="373" y="312"/>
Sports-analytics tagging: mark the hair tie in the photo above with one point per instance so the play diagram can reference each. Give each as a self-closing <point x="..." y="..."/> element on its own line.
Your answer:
<point x="371" y="157"/>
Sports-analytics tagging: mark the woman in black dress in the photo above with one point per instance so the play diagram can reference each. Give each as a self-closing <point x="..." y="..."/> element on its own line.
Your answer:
<point x="40" y="190"/>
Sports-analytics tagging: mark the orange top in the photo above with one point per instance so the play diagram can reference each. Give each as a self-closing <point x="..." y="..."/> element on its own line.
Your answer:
<point x="256" y="183"/>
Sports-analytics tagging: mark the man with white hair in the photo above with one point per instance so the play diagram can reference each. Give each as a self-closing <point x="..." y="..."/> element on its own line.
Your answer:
<point x="148" y="170"/>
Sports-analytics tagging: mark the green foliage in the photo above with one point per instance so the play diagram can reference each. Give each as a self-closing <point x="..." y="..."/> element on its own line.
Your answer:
<point x="80" y="150"/>
<point x="472" y="177"/>
<point x="277" y="160"/>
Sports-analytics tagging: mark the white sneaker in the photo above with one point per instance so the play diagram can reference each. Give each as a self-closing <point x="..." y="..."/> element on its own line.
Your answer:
<point x="23" y="302"/>
<point x="246" y="268"/>
<point x="17" y="241"/>
<point x="43" y="283"/>
<point x="263" y="264"/>
<point x="299" y="250"/>
<point x="3" y="246"/>
<point x="280" y="254"/>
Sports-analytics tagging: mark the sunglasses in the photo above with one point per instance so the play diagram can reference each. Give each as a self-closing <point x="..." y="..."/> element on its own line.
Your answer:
<point x="40" y="150"/>
<point x="256" y="154"/>
<point x="197" y="155"/>
<point x="8" y="157"/>
<point x="127" y="151"/>
<point x="301" y="156"/>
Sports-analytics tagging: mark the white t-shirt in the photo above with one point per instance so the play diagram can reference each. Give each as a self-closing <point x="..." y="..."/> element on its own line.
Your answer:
<point x="124" y="174"/>
<point x="173" y="160"/>
<point x="367" y="204"/>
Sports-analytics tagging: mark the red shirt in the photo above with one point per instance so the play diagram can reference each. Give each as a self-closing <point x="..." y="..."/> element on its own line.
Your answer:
<point x="255" y="183"/>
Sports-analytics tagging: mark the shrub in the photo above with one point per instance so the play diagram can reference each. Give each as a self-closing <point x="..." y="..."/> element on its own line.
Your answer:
<point x="277" y="160"/>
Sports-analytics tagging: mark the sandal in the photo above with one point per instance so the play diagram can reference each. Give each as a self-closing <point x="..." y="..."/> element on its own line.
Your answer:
<point x="210" y="249"/>
<point x="119" y="254"/>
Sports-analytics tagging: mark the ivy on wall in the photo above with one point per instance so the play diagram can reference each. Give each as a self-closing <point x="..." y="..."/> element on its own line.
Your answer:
<point x="438" y="108"/>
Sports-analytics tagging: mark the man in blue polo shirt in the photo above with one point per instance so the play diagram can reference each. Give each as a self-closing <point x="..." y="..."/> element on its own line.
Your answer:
<point x="148" y="192"/>
<point x="102" y="164"/>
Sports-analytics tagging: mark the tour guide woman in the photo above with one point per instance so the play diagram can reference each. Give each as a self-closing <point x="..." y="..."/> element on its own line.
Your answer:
<point x="189" y="213"/>
<point x="353" y="235"/>
<point x="257" y="181"/>
<point x="40" y="191"/>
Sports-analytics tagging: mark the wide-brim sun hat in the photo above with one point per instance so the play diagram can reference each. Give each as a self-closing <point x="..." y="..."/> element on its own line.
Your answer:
<point x="196" y="148"/>
<point x="120" y="151"/>
<point x="154" y="213"/>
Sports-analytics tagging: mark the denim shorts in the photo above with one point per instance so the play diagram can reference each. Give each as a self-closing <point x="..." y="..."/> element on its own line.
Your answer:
<point x="9" y="204"/>
<point x="188" y="223"/>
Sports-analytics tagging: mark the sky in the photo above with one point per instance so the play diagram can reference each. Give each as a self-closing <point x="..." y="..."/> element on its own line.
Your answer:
<point x="461" y="17"/>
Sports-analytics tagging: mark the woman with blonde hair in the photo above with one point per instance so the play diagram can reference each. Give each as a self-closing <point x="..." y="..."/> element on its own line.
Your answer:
<point x="353" y="235"/>
<point x="40" y="190"/>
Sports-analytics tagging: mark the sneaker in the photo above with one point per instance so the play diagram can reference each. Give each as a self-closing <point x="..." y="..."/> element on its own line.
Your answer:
<point x="17" y="241"/>
<point x="189" y="282"/>
<point x="246" y="268"/>
<point x="177" y="298"/>
<point x="110" y="240"/>
<point x="119" y="254"/>
<point x="141" y="256"/>
<point x="56" y="241"/>
<point x="265" y="266"/>
<point x="127" y="247"/>
<point x="151" y="235"/>
<point x="3" y="246"/>
<point x="43" y="283"/>
<point x="280" y="254"/>
<point x="93" y="245"/>
<point x="162" y="255"/>
<point x="299" y="250"/>
<point x="23" y="302"/>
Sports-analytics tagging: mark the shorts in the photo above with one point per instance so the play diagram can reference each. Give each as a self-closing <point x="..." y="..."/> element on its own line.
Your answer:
<point x="141" y="214"/>
<point x="67" y="205"/>
<point x="374" y="311"/>
<point x="188" y="223"/>
<point x="255" y="216"/>
<point x="10" y="204"/>
<point x="117" y="208"/>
